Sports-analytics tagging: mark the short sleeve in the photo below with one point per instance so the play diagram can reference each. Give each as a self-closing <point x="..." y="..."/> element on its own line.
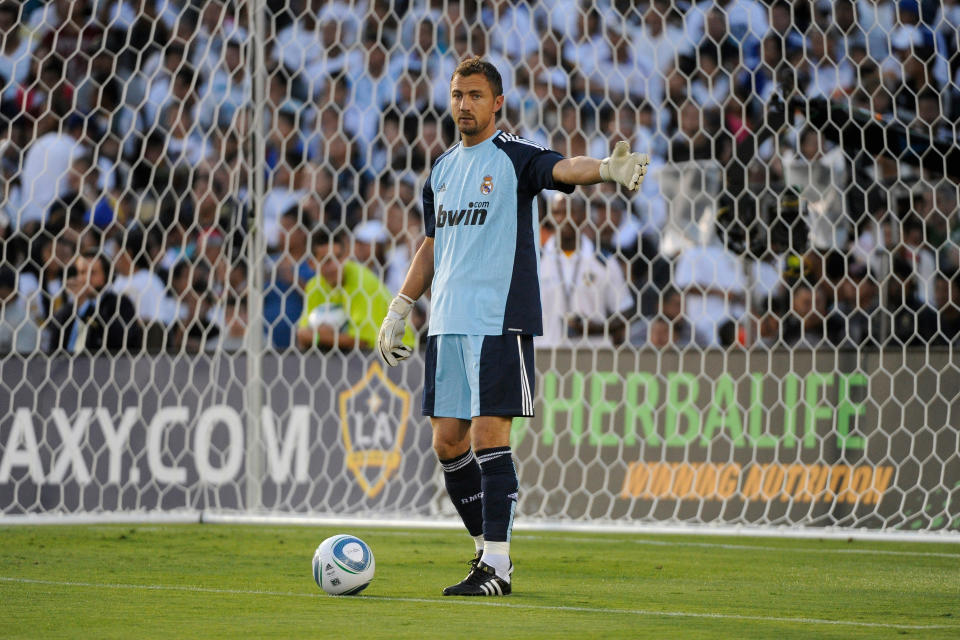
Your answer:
<point x="538" y="172"/>
<point x="429" y="216"/>
<point x="532" y="163"/>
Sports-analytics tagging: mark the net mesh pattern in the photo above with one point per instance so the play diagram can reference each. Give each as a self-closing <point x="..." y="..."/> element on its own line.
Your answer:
<point x="764" y="333"/>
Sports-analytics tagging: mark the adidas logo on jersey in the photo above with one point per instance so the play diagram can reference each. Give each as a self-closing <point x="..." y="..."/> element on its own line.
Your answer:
<point x="474" y="214"/>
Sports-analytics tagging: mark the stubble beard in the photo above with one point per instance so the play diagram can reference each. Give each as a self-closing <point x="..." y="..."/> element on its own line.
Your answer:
<point x="470" y="128"/>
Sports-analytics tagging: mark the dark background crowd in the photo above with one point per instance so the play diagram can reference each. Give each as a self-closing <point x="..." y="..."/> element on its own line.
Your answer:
<point x="128" y="164"/>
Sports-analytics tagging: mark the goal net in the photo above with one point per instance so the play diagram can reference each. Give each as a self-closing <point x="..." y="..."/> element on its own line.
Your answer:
<point x="207" y="205"/>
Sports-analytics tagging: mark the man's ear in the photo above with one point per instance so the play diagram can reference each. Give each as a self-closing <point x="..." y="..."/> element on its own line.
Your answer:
<point x="498" y="103"/>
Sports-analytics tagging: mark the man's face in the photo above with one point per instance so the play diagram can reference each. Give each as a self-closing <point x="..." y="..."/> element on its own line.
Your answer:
<point x="329" y="257"/>
<point x="659" y="333"/>
<point x="86" y="278"/>
<point x="473" y="104"/>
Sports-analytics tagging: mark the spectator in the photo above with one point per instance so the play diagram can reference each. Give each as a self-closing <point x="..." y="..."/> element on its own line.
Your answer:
<point x="369" y="245"/>
<point x="232" y="335"/>
<point x="96" y="319"/>
<point x="821" y="54"/>
<point x="157" y="81"/>
<point x="671" y="326"/>
<point x="589" y="52"/>
<point x="19" y="332"/>
<point x="403" y="231"/>
<point x="711" y="85"/>
<point x="876" y="19"/>
<point x="805" y="325"/>
<point x="134" y="276"/>
<point x="655" y="47"/>
<point x="228" y="88"/>
<point x="747" y="21"/>
<point x="289" y="269"/>
<point x="914" y="251"/>
<point x="289" y="184"/>
<point x="939" y="323"/>
<point x="819" y="171"/>
<point x="585" y="298"/>
<point x="45" y="170"/>
<point x="712" y="282"/>
<point x="70" y="31"/>
<point x="784" y="31"/>
<point x="854" y="322"/>
<point x="85" y="192"/>
<point x="371" y="90"/>
<point x="769" y="314"/>
<point x="318" y="43"/>
<point x="193" y="328"/>
<point x="345" y="301"/>
<point x="513" y="29"/>
<point x="15" y="52"/>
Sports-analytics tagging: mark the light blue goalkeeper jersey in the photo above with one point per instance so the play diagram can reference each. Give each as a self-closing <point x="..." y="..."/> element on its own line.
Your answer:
<point x="479" y="205"/>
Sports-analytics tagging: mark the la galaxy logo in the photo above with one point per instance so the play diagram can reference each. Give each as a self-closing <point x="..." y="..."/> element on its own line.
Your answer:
<point x="487" y="185"/>
<point x="373" y="422"/>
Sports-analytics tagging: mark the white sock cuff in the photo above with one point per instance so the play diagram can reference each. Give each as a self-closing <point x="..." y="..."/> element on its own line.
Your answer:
<point x="459" y="463"/>
<point x="496" y="548"/>
<point x="487" y="457"/>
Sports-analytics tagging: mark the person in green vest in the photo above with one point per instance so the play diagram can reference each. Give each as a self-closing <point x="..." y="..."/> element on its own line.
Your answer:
<point x="345" y="302"/>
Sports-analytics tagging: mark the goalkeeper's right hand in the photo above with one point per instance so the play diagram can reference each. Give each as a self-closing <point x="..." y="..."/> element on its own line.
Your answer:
<point x="390" y="341"/>
<point x="624" y="167"/>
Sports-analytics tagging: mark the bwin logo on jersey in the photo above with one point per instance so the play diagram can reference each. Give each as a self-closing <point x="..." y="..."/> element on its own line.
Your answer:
<point x="474" y="214"/>
<point x="487" y="187"/>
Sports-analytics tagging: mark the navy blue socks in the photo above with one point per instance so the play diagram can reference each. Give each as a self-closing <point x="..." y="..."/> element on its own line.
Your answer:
<point x="461" y="475"/>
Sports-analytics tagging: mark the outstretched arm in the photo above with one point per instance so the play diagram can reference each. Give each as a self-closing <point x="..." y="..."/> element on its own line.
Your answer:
<point x="621" y="166"/>
<point x="578" y="170"/>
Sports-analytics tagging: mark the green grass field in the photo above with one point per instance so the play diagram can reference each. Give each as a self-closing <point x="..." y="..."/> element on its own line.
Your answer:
<point x="210" y="581"/>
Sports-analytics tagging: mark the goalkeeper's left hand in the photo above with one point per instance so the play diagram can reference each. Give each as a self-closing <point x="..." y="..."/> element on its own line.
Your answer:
<point x="624" y="167"/>
<point x="390" y="340"/>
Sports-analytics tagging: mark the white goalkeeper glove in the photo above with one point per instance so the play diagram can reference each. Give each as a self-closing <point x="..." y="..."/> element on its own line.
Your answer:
<point x="624" y="167"/>
<point x="390" y="341"/>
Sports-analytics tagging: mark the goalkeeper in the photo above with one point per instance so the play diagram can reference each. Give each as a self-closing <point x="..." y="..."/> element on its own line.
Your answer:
<point x="480" y="259"/>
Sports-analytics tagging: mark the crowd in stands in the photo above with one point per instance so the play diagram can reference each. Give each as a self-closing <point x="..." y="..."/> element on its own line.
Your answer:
<point x="130" y="156"/>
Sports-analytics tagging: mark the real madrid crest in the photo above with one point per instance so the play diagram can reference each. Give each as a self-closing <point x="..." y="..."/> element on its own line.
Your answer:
<point x="487" y="185"/>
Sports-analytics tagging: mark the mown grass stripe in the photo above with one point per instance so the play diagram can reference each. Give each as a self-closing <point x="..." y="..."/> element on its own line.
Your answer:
<point x="488" y="603"/>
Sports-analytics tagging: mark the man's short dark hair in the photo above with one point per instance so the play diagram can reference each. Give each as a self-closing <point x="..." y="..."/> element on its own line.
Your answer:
<point x="475" y="65"/>
<point x="323" y="236"/>
<point x="95" y="255"/>
<point x="8" y="278"/>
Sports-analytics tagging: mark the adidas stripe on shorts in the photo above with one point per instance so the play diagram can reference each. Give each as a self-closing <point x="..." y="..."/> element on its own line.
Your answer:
<point x="475" y="375"/>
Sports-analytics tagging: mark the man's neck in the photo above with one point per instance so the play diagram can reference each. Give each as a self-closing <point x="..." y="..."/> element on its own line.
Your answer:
<point x="474" y="140"/>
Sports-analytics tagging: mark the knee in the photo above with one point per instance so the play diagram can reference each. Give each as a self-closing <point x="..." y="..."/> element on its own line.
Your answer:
<point x="449" y="445"/>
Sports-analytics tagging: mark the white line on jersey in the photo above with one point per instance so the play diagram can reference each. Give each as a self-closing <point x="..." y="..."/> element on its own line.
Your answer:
<point x="509" y="137"/>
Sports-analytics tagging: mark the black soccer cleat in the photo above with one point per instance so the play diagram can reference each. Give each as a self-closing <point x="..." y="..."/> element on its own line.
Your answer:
<point x="474" y="561"/>
<point x="481" y="581"/>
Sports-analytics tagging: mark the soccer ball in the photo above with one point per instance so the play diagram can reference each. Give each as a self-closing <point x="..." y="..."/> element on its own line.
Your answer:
<point x="343" y="565"/>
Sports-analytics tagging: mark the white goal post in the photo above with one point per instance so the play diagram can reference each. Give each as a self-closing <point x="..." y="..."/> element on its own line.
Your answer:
<point x="766" y="335"/>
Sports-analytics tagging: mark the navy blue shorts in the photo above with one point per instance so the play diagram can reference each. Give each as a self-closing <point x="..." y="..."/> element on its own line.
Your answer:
<point x="470" y="375"/>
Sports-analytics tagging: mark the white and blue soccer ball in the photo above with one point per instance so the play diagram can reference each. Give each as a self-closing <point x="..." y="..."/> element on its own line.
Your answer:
<point x="343" y="565"/>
